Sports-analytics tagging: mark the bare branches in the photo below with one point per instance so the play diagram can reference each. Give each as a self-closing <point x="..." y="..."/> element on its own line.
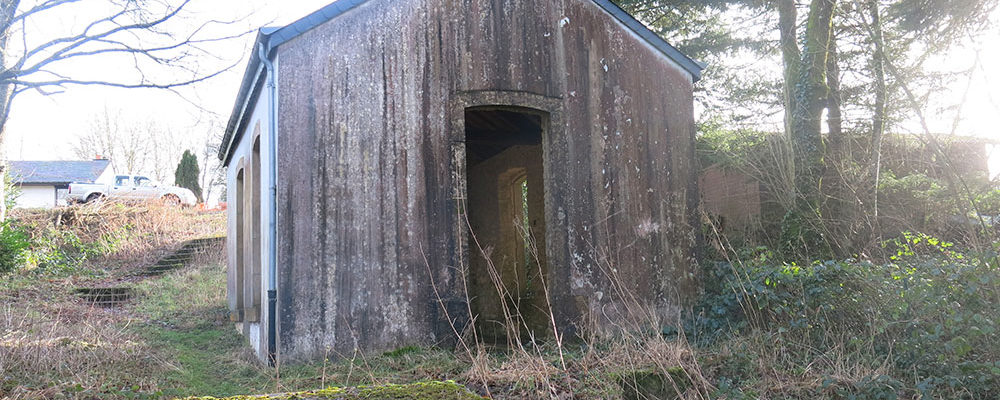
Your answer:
<point x="115" y="46"/>
<point x="74" y="42"/>
<point x="143" y="84"/>
<point x="165" y="51"/>
<point x="134" y="146"/>
<point x="47" y="5"/>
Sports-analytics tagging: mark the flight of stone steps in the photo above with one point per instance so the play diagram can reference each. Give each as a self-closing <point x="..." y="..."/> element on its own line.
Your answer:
<point x="183" y="256"/>
<point x="117" y="295"/>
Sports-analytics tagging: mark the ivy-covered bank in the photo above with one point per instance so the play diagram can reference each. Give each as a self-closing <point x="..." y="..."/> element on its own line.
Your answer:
<point x="924" y="324"/>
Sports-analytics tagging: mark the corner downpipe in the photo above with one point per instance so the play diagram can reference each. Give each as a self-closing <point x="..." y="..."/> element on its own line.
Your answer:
<point x="272" y="265"/>
<point x="272" y="304"/>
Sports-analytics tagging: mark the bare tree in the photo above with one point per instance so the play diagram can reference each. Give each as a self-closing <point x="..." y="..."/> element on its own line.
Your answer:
<point x="212" y="171"/>
<point x="134" y="147"/>
<point x="99" y="140"/>
<point x="136" y="33"/>
<point x="165" y="150"/>
<point x="109" y="136"/>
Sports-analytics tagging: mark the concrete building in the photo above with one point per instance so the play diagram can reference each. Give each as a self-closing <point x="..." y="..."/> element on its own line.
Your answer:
<point x="380" y="151"/>
<point x="43" y="184"/>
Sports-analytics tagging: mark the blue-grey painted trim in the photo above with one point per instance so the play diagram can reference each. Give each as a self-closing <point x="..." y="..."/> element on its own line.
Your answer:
<point x="249" y="89"/>
<point x="691" y="66"/>
<point x="271" y="38"/>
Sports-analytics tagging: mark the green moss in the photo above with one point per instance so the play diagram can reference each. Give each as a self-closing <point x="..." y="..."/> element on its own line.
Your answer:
<point x="402" y="351"/>
<point x="413" y="391"/>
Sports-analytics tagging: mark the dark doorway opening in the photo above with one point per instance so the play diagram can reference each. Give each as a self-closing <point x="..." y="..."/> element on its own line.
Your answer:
<point x="506" y="209"/>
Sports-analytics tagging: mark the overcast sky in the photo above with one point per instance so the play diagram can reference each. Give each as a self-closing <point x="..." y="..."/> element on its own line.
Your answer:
<point x="46" y="127"/>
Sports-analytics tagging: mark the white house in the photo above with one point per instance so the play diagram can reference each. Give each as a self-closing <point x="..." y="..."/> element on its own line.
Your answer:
<point x="43" y="184"/>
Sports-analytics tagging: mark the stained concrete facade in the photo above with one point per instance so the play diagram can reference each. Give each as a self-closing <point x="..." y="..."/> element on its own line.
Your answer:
<point x="416" y="138"/>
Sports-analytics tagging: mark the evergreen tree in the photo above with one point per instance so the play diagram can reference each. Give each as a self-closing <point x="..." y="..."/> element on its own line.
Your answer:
<point x="187" y="174"/>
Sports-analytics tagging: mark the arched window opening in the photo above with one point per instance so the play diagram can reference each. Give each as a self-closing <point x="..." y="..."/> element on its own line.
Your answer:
<point x="239" y="264"/>
<point x="254" y="285"/>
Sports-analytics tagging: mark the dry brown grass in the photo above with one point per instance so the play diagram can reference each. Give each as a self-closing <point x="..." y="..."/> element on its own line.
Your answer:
<point x="53" y="344"/>
<point x="597" y="368"/>
<point x="136" y="233"/>
<point x="76" y="349"/>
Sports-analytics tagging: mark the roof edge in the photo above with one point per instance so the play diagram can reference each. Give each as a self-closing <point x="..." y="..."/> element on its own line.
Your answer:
<point x="271" y="38"/>
<point x="253" y="70"/>
<point x="691" y="66"/>
<point x="318" y="17"/>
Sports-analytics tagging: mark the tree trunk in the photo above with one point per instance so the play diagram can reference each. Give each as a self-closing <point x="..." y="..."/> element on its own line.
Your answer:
<point x="791" y="57"/>
<point x="837" y="210"/>
<point x="7" y="10"/>
<point x="878" y="121"/>
<point x="803" y="227"/>
<point x="834" y="121"/>
<point x="811" y="92"/>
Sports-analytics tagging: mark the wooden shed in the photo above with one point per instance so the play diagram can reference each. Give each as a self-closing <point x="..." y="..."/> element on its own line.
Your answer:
<point x="402" y="170"/>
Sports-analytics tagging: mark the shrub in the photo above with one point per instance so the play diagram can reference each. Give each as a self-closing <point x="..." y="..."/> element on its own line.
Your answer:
<point x="925" y="322"/>
<point x="13" y="243"/>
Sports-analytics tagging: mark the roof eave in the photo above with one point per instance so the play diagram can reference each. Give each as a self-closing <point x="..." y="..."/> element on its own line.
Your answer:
<point x="691" y="66"/>
<point x="247" y="87"/>
<point x="271" y="38"/>
<point x="60" y="183"/>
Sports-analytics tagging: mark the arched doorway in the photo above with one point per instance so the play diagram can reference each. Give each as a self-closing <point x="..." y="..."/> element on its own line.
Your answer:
<point x="505" y="207"/>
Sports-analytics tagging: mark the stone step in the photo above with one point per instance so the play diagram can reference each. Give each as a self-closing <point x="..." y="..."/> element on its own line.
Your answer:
<point x="205" y="242"/>
<point x="175" y="260"/>
<point x="164" y="267"/>
<point x="106" y="296"/>
<point x="184" y="255"/>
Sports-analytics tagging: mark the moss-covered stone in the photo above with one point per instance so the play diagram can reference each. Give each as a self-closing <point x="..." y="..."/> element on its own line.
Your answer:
<point x="448" y="390"/>
<point x="654" y="384"/>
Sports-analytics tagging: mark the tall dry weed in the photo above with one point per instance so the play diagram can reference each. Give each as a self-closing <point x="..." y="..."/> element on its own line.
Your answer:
<point x="540" y="364"/>
<point x="77" y="350"/>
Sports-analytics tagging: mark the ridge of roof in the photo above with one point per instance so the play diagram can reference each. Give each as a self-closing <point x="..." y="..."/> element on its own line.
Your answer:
<point x="57" y="172"/>
<point x="270" y="38"/>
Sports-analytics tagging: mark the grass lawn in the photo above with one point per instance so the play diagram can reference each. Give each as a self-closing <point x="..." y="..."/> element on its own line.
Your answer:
<point x="172" y="341"/>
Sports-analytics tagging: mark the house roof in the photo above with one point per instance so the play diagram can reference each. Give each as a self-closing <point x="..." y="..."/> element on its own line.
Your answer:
<point x="56" y="172"/>
<point x="270" y="38"/>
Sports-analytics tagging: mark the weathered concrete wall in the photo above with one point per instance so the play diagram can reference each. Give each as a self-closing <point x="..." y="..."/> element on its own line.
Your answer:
<point x="372" y="239"/>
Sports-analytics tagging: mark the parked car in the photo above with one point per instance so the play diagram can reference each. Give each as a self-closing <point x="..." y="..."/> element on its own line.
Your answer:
<point x="130" y="187"/>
